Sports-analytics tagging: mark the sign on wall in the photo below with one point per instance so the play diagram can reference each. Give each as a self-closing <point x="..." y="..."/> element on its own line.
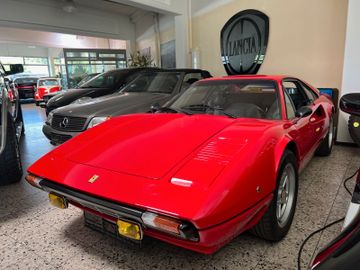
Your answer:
<point x="244" y="40"/>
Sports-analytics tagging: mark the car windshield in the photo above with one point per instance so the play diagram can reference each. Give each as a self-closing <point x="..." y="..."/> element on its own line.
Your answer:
<point x="155" y="82"/>
<point x="110" y="79"/>
<point x="232" y="98"/>
<point x="26" y="80"/>
<point x="49" y="82"/>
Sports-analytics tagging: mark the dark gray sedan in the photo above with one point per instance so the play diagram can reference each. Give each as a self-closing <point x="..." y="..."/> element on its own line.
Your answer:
<point x="155" y="87"/>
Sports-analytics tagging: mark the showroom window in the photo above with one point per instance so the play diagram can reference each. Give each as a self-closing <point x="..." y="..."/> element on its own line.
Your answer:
<point x="79" y="62"/>
<point x="35" y="65"/>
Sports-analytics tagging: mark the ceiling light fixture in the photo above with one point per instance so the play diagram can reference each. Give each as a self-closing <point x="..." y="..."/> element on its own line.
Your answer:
<point x="69" y="6"/>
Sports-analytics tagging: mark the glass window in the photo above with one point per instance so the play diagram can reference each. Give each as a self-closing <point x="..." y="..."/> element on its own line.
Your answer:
<point x="159" y="82"/>
<point x="290" y="111"/>
<point x="41" y="70"/>
<point x="11" y="60"/>
<point x="189" y="79"/>
<point x="312" y="96"/>
<point x="48" y="82"/>
<point x="35" y="61"/>
<point x="296" y="94"/>
<point x="77" y="54"/>
<point x="234" y="98"/>
<point x="108" y="80"/>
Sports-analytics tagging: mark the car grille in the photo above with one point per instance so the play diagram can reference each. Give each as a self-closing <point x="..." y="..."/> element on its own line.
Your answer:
<point x="68" y="123"/>
<point x="59" y="138"/>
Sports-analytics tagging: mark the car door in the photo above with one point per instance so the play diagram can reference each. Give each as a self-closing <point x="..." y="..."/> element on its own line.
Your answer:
<point x="307" y="129"/>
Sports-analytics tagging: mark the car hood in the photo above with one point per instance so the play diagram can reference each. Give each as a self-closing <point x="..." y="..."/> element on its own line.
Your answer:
<point x="135" y="145"/>
<point x="114" y="105"/>
<point x="71" y="95"/>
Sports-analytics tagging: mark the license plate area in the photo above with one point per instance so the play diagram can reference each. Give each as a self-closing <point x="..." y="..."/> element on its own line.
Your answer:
<point x="108" y="227"/>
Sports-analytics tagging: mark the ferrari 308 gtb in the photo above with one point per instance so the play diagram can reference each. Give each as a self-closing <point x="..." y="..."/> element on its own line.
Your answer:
<point x="222" y="158"/>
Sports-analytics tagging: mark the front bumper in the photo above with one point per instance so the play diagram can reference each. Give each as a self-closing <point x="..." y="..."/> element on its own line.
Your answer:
<point x="57" y="137"/>
<point x="210" y="239"/>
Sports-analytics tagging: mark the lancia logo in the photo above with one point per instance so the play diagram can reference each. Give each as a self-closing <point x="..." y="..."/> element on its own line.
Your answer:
<point x="244" y="40"/>
<point x="93" y="178"/>
<point x="64" y="123"/>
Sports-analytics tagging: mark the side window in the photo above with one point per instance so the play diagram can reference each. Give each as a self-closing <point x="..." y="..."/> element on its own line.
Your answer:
<point x="189" y="79"/>
<point x="290" y="111"/>
<point x="312" y="96"/>
<point x="296" y="94"/>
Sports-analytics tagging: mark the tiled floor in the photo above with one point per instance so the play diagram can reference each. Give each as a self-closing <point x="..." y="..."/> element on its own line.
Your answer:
<point x="33" y="235"/>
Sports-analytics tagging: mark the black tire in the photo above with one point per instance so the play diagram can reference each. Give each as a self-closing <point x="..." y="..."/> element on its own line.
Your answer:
<point x="37" y="103"/>
<point x="10" y="161"/>
<point x="269" y="227"/>
<point x="354" y="128"/>
<point x="326" y="145"/>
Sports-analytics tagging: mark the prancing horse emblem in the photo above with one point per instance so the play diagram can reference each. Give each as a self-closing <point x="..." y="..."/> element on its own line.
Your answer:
<point x="93" y="178"/>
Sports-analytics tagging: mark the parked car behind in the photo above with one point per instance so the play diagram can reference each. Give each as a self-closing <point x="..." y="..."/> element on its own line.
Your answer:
<point x="11" y="128"/>
<point x="343" y="252"/>
<point x="48" y="96"/>
<point x="45" y="86"/>
<point x="152" y="87"/>
<point x="101" y="85"/>
<point x="26" y="86"/>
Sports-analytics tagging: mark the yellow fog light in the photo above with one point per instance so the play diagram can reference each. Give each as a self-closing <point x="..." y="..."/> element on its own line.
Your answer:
<point x="356" y="124"/>
<point x="58" y="201"/>
<point x="129" y="229"/>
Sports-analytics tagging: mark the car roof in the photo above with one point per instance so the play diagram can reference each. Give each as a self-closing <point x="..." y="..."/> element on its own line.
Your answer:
<point x="250" y="77"/>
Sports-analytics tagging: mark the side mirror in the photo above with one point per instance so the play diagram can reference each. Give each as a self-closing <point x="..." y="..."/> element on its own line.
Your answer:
<point x="303" y="112"/>
<point x="15" y="68"/>
<point x="350" y="103"/>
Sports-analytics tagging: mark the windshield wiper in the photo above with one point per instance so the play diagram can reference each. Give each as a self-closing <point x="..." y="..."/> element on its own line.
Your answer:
<point x="204" y="107"/>
<point x="167" y="110"/>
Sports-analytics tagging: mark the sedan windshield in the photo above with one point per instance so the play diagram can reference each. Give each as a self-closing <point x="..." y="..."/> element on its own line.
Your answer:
<point x="110" y="79"/>
<point x="155" y="82"/>
<point x="232" y="98"/>
<point x="49" y="82"/>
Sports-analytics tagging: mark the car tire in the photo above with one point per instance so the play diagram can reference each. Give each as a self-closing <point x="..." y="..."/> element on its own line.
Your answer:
<point x="37" y="103"/>
<point x="276" y="221"/>
<point x="20" y="120"/>
<point x="354" y="128"/>
<point x="326" y="145"/>
<point x="10" y="161"/>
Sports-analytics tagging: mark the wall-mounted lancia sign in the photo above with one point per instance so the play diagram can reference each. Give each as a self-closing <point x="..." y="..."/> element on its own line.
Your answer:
<point x="244" y="40"/>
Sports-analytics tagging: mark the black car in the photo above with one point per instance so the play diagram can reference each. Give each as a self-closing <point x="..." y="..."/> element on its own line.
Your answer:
<point x="11" y="128"/>
<point x="101" y="85"/>
<point x="26" y="86"/>
<point x="84" y="80"/>
<point x="343" y="252"/>
<point x="151" y="88"/>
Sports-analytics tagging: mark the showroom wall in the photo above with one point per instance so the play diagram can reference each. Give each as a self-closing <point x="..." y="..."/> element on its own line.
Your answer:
<point x="146" y="35"/>
<point x="307" y="38"/>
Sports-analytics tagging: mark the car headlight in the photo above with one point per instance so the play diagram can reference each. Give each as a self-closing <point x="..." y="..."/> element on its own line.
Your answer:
<point x="50" y="118"/>
<point x="97" y="120"/>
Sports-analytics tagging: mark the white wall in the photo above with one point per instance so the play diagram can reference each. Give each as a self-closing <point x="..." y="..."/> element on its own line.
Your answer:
<point x="351" y="72"/>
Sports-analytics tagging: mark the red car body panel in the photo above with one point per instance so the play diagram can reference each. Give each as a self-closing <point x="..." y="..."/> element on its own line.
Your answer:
<point x="43" y="90"/>
<point x="232" y="165"/>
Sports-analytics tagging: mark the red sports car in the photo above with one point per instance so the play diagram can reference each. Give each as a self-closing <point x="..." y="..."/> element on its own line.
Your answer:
<point x="46" y="86"/>
<point x="223" y="158"/>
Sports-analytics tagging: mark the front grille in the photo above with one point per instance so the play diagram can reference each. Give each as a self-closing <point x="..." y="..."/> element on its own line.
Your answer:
<point x="59" y="138"/>
<point x="68" y="123"/>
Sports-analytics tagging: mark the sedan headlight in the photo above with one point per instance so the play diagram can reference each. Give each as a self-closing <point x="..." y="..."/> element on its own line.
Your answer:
<point x="50" y="118"/>
<point x="97" y="120"/>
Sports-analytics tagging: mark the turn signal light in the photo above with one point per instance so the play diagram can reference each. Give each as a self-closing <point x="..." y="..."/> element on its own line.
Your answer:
<point x="129" y="229"/>
<point x="182" y="229"/>
<point x="33" y="180"/>
<point x="58" y="201"/>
